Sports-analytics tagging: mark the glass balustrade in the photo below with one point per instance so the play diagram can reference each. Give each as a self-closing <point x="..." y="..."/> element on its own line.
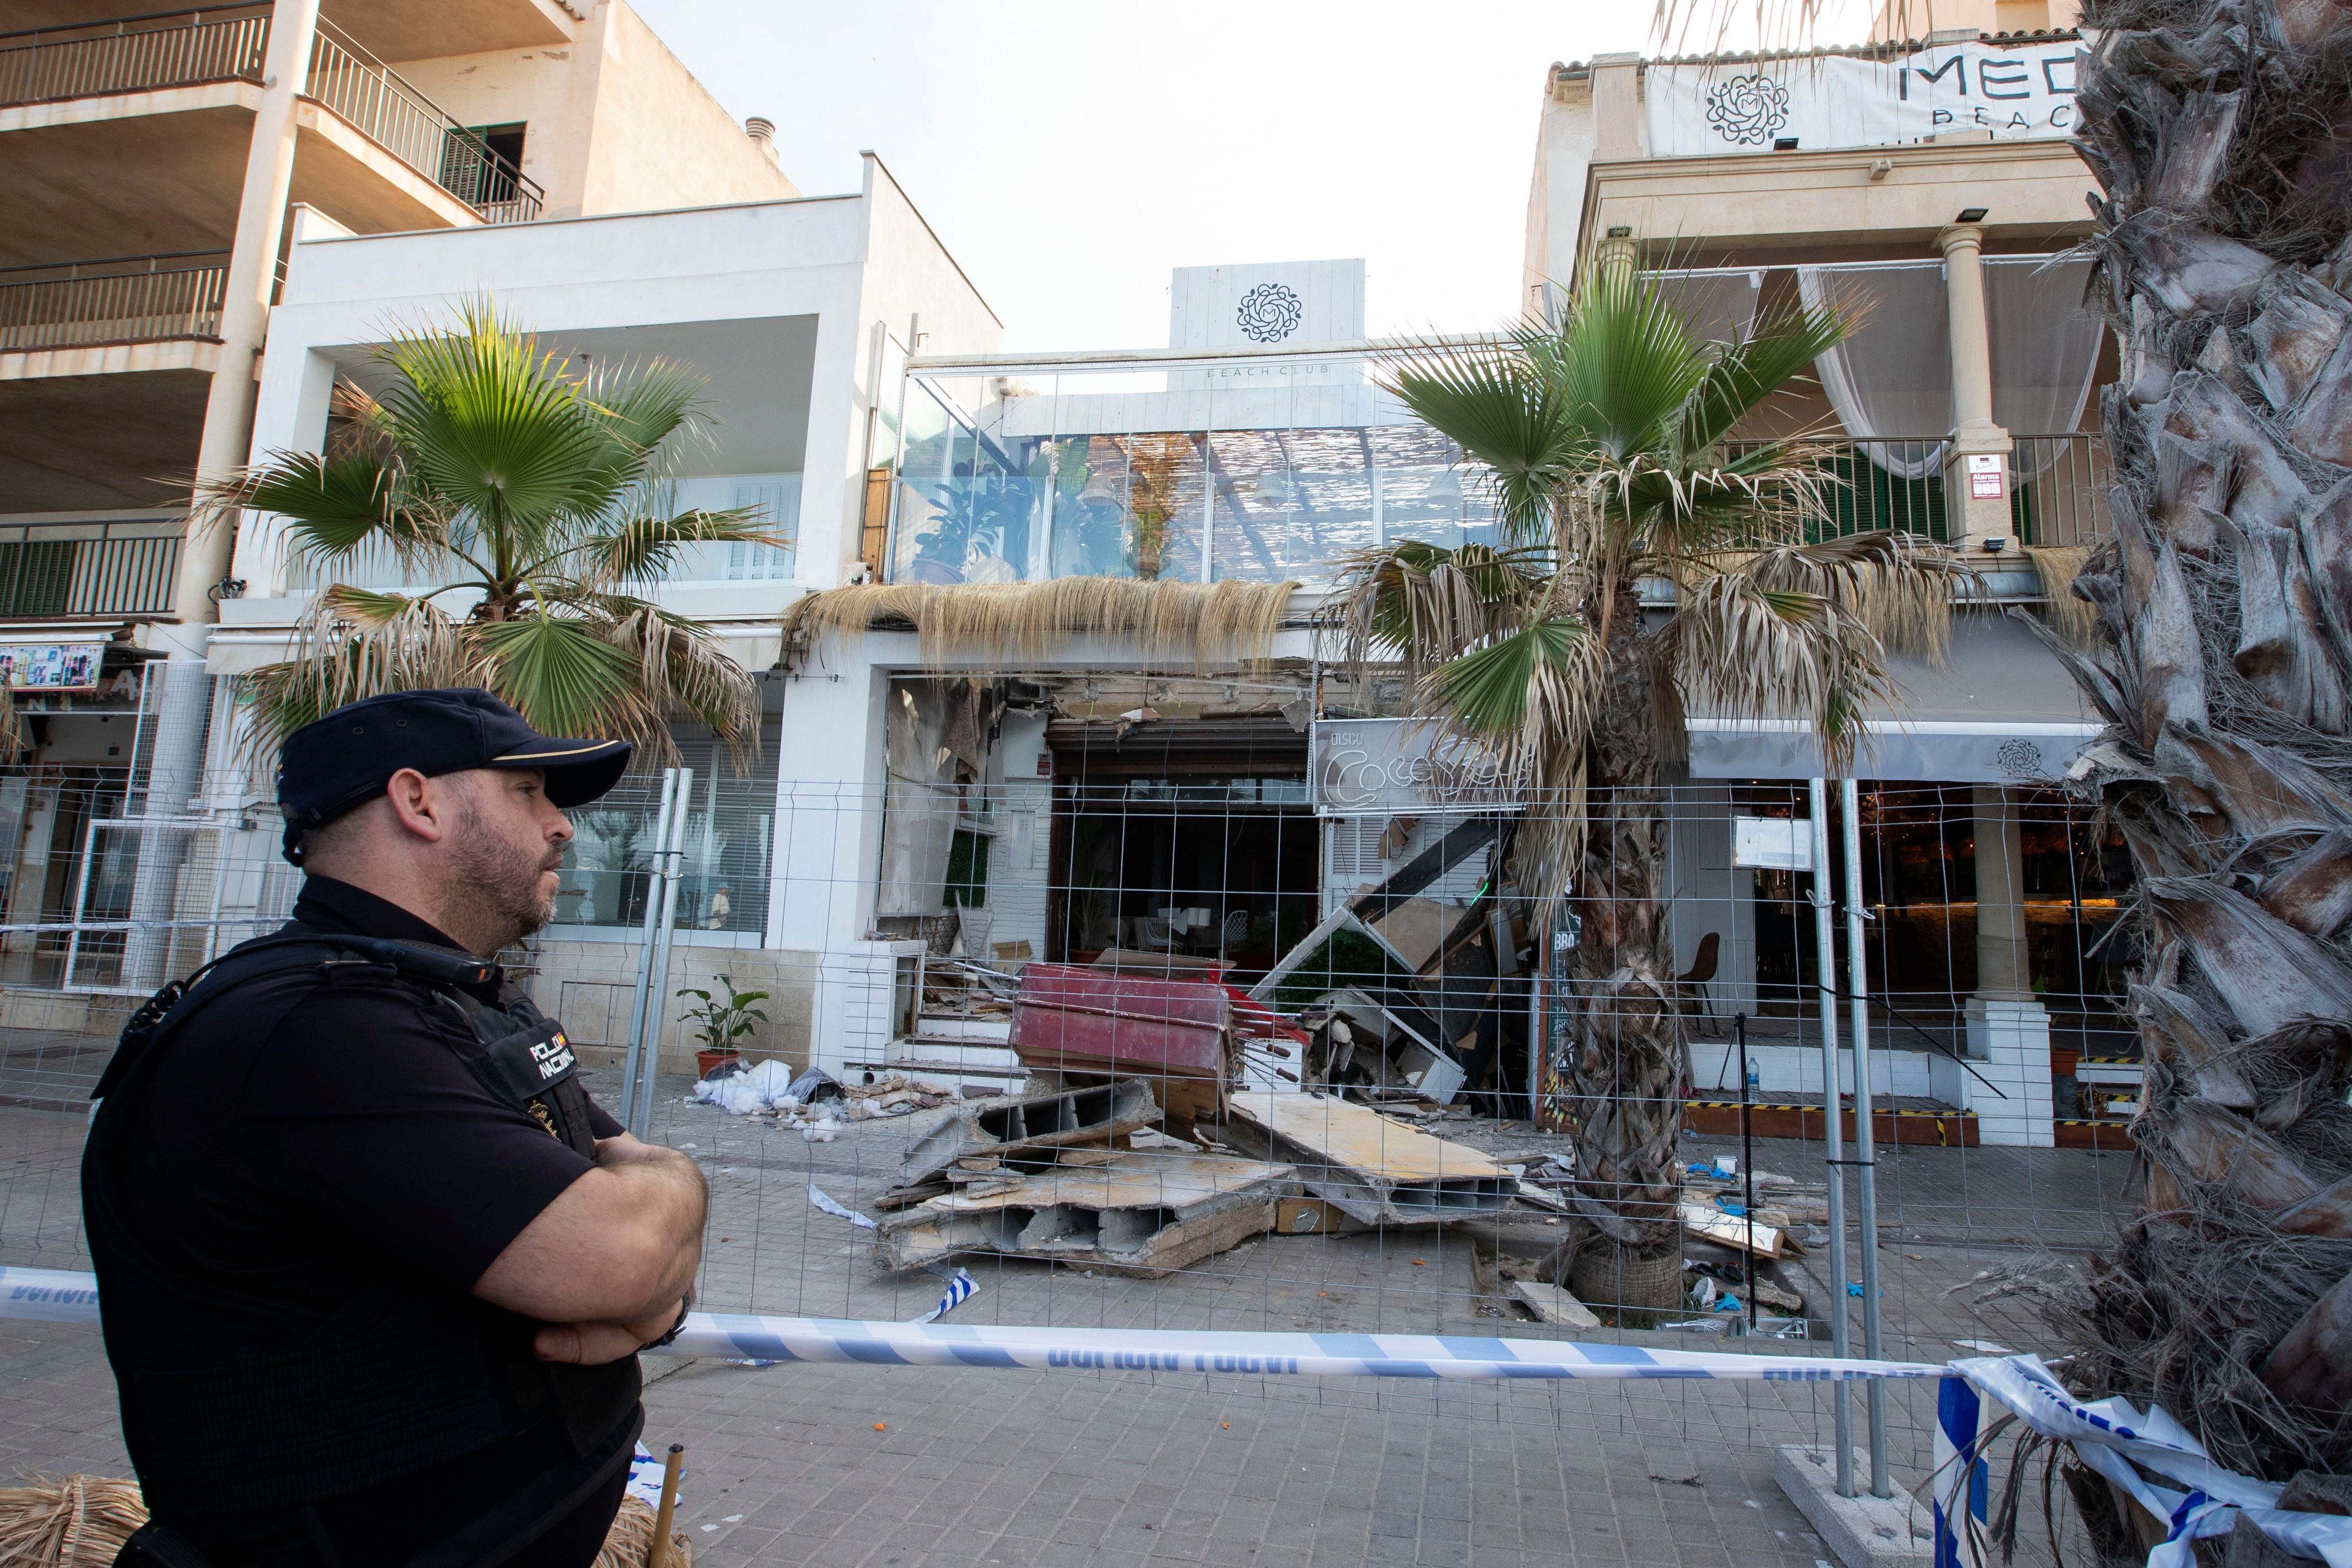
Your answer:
<point x="1254" y="471"/>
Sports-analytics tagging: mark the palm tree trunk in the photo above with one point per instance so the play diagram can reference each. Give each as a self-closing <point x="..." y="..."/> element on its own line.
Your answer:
<point x="1620" y="1083"/>
<point x="2223" y="662"/>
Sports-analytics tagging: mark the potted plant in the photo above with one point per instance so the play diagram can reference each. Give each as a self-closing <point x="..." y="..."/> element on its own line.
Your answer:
<point x="721" y="1021"/>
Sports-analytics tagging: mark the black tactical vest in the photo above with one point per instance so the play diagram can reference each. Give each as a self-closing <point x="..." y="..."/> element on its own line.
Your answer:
<point x="404" y="1376"/>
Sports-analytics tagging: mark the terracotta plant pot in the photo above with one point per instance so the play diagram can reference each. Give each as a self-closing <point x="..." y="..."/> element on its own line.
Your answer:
<point x="708" y="1062"/>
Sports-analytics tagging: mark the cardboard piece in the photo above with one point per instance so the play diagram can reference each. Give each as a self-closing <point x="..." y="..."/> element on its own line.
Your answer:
<point x="1372" y="1168"/>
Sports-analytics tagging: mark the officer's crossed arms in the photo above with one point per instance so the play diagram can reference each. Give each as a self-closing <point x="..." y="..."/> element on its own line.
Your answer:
<point x="608" y="1263"/>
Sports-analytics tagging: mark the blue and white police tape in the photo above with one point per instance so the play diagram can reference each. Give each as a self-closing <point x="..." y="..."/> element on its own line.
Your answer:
<point x="962" y="1286"/>
<point x="2118" y="1442"/>
<point x="2109" y="1435"/>
<point x="73" y="1297"/>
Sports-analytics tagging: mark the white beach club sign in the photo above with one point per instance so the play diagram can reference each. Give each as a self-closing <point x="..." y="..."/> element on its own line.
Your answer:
<point x="1832" y="100"/>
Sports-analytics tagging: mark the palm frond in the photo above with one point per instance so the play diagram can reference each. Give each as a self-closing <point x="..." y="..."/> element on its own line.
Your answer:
<point x="337" y="506"/>
<point x="1427" y="603"/>
<point x="641" y="548"/>
<point x="1504" y="412"/>
<point x="1623" y="360"/>
<point x="1744" y="376"/>
<point x="1897" y="585"/>
<point x="679" y="668"/>
<point x="1742" y="649"/>
<point x="1524" y="688"/>
<point x="565" y="678"/>
<point x="353" y="643"/>
<point x="485" y="419"/>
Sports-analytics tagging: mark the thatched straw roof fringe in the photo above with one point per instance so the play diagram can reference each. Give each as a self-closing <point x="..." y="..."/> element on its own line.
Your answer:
<point x="1194" y="625"/>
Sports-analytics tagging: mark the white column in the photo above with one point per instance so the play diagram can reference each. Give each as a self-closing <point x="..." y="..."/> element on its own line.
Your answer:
<point x="2008" y="1029"/>
<point x="245" y="311"/>
<point x="1974" y="435"/>
<point x="185" y="703"/>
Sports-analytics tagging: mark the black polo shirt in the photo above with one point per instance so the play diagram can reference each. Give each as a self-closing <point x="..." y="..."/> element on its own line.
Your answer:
<point x="352" y="1133"/>
<point x="288" y="1167"/>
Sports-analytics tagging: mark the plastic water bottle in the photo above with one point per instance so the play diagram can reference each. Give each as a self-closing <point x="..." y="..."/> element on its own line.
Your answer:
<point x="1755" y="1080"/>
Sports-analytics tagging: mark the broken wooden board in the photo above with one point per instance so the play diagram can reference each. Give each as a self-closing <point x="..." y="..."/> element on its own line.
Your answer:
<point x="1147" y="1211"/>
<point x="1314" y="1216"/>
<point x="1553" y="1305"/>
<point x="1005" y="1129"/>
<point x="1379" y="1172"/>
<point x="1734" y="1230"/>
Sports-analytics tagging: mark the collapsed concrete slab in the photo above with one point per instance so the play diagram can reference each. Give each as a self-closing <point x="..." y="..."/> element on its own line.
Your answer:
<point x="1031" y="1125"/>
<point x="1373" y="1168"/>
<point x="1145" y="1210"/>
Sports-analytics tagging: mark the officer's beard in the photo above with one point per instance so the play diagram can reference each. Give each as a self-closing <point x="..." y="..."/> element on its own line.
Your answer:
<point x="502" y="881"/>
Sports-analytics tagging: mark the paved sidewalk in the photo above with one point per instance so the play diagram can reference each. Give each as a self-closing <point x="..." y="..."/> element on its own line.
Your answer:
<point x="986" y="1468"/>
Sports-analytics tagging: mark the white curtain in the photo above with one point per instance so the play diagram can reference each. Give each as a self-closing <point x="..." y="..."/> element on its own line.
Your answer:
<point x="1717" y="306"/>
<point x="2045" y="350"/>
<point x="1894" y="376"/>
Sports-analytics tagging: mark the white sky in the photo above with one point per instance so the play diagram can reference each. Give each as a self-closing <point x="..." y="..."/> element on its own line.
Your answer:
<point x="1070" y="153"/>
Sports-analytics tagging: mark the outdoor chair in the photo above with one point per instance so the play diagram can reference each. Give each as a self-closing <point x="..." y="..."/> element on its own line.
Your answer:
<point x="1691" y="982"/>
<point x="1153" y="934"/>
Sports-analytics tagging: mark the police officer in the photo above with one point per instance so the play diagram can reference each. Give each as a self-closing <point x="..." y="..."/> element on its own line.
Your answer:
<point x="373" y="1269"/>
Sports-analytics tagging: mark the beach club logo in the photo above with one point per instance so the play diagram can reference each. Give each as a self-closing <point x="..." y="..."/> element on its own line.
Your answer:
<point x="1746" y="110"/>
<point x="1269" y="313"/>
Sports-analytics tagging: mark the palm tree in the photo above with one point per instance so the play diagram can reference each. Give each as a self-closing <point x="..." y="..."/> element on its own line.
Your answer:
<point x="2222" y="658"/>
<point x="1609" y="444"/>
<point x="536" y="496"/>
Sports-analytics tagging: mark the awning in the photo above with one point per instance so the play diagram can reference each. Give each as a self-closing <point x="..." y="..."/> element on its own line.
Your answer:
<point x="2000" y="710"/>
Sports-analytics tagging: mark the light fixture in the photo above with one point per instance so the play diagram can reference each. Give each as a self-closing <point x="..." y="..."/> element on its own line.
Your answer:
<point x="1995" y="544"/>
<point x="1620" y="231"/>
<point x="1784" y="143"/>
<point x="1970" y="215"/>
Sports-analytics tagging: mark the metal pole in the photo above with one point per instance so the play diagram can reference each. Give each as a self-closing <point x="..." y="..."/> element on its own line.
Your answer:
<point x="1864" y="1144"/>
<point x="657" y="996"/>
<point x="1832" y="1115"/>
<point x="1746" y="1162"/>
<point x="637" y="1008"/>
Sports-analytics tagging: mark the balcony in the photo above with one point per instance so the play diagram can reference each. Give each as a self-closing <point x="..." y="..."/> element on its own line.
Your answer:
<point x="125" y="299"/>
<point x="195" y="48"/>
<point x="1243" y="467"/>
<point x="2057" y="488"/>
<point x="1258" y="469"/>
<point x="95" y="569"/>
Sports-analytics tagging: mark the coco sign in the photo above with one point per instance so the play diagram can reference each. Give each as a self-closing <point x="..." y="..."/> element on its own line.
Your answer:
<point x="1402" y="767"/>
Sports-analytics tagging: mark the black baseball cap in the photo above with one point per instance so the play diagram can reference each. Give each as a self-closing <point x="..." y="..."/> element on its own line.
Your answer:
<point x="336" y="764"/>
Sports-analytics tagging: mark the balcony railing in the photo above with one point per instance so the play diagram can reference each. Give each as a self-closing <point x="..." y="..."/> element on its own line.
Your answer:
<point x="185" y="48"/>
<point x="133" y="54"/>
<point x="2057" y="486"/>
<point x="413" y="129"/>
<point x="88" y="569"/>
<point x="126" y="300"/>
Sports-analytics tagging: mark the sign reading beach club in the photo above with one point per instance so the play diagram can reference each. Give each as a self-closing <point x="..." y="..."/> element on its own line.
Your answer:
<point x="1833" y="101"/>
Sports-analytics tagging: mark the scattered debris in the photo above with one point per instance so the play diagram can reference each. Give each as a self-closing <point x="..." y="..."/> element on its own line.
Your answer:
<point x="1003" y="1129"/>
<point x="1372" y="1168"/>
<point x="1553" y="1305"/>
<point x="1314" y="1216"/>
<point x="1146" y="1212"/>
<point x="1740" y="1232"/>
<point x="1116" y="1022"/>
